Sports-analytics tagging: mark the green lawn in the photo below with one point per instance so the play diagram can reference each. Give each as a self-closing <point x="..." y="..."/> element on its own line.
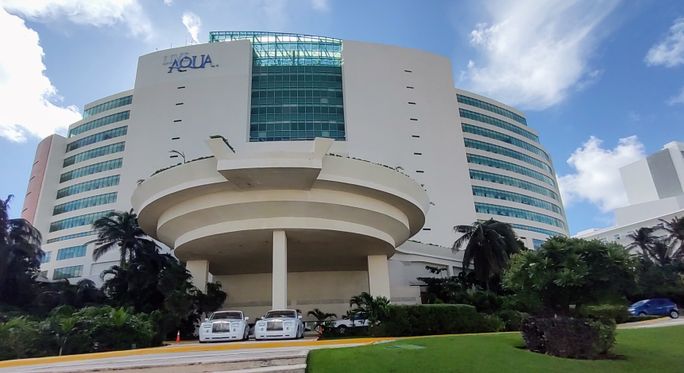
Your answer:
<point x="658" y="350"/>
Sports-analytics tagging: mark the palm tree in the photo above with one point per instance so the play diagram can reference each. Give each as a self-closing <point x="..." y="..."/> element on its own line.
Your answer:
<point x="489" y="247"/>
<point x="119" y="229"/>
<point x="20" y="252"/>
<point x="675" y="236"/>
<point x="644" y="239"/>
<point x="321" y="317"/>
<point x="375" y="309"/>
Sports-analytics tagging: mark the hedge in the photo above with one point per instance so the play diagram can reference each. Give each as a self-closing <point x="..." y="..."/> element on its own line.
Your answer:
<point x="569" y="337"/>
<point x="429" y="319"/>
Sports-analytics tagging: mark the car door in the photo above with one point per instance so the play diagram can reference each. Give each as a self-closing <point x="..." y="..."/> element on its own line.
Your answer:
<point x="658" y="307"/>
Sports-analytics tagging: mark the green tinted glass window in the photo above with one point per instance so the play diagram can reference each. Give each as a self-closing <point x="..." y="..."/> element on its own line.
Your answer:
<point x="113" y="104"/>
<point x="491" y="108"/>
<point x="296" y="103"/>
<point x="77" y="221"/>
<point x="511" y="181"/>
<point x="100" y="136"/>
<point x="490" y="209"/>
<point x="496" y="149"/>
<point x="486" y="132"/>
<point x="71" y="236"/>
<point x="508" y="166"/>
<point x="537" y="230"/>
<point x="94" y="153"/>
<point x="67" y="272"/>
<point x="467" y="114"/>
<point x="101" y="199"/>
<point x="109" y="119"/>
<point x="102" y="182"/>
<point x="515" y="197"/>
<point x="71" y="252"/>
<point x="91" y="169"/>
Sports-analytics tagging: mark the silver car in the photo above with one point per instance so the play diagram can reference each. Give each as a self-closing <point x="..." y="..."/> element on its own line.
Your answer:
<point x="279" y="324"/>
<point x="224" y="326"/>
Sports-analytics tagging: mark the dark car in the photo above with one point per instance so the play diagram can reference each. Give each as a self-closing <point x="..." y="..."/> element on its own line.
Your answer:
<point x="657" y="306"/>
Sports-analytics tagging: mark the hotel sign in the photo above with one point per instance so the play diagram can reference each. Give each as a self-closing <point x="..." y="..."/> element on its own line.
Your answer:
<point x="184" y="61"/>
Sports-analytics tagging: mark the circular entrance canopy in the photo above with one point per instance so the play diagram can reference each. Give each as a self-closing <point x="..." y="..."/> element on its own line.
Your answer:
<point x="336" y="210"/>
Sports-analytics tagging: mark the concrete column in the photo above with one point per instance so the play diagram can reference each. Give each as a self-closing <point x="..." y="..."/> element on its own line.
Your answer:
<point x="378" y="276"/>
<point x="279" y="299"/>
<point x="199" y="269"/>
<point x="450" y="270"/>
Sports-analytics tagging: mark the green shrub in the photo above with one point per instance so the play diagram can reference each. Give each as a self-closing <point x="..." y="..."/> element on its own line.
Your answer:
<point x="512" y="319"/>
<point x="613" y="312"/>
<point x="19" y="338"/>
<point x="428" y="319"/>
<point x="569" y="337"/>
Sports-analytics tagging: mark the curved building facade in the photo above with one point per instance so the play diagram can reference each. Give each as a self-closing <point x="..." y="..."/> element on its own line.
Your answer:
<point x="364" y="156"/>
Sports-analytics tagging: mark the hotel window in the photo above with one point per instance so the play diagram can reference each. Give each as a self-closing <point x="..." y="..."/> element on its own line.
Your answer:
<point x="101" y="136"/>
<point x="490" y="209"/>
<point x="113" y="104"/>
<point x="496" y="149"/>
<point x="475" y="130"/>
<point x="83" y="203"/>
<point x="467" y="114"/>
<point x="77" y="221"/>
<point x="511" y="181"/>
<point x="94" y="153"/>
<point x="497" y="163"/>
<point x="91" y="169"/>
<point x="103" y="182"/>
<point x="46" y="257"/>
<point x="515" y="197"/>
<point x="490" y="107"/>
<point x="99" y="122"/>
<point x="71" y="252"/>
<point x="67" y="272"/>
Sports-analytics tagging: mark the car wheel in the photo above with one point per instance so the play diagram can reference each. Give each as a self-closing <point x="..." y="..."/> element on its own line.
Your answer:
<point x="642" y="313"/>
<point x="342" y="329"/>
<point x="674" y="314"/>
<point x="302" y="334"/>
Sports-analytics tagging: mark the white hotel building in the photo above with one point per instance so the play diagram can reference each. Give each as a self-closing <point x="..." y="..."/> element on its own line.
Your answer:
<point x="248" y="197"/>
<point x="655" y="191"/>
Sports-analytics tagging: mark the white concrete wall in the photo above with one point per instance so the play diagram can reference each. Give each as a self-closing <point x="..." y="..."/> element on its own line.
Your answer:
<point x="638" y="183"/>
<point x="329" y="291"/>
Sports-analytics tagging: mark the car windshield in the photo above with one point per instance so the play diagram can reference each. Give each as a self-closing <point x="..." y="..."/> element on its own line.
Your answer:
<point x="639" y="303"/>
<point x="281" y="313"/>
<point x="226" y="315"/>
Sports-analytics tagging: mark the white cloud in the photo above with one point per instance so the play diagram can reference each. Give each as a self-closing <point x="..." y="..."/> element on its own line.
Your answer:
<point x="535" y="52"/>
<point x="668" y="52"/>
<point x="30" y="103"/>
<point x="97" y="13"/>
<point x="596" y="176"/>
<point x="320" y="5"/>
<point x="192" y="23"/>
<point x="678" y="99"/>
<point x="168" y="2"/>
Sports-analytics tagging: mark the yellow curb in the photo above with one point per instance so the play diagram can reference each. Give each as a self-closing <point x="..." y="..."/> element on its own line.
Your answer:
<point x="221" y="347"/>
<point x="645" y="322"/>
<point x="184" y="348"/>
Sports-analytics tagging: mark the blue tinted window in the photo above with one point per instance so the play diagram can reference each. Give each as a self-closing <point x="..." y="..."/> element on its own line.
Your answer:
<point x="490" y="209"/>
<point x="511" y="181"/>
<point x="113" y="104"/>
<point x="492" y="108"/>
<point x="71" y="252"/>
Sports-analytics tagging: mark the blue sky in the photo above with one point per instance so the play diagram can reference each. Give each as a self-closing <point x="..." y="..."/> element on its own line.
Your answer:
<point x="603" y="81"/>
